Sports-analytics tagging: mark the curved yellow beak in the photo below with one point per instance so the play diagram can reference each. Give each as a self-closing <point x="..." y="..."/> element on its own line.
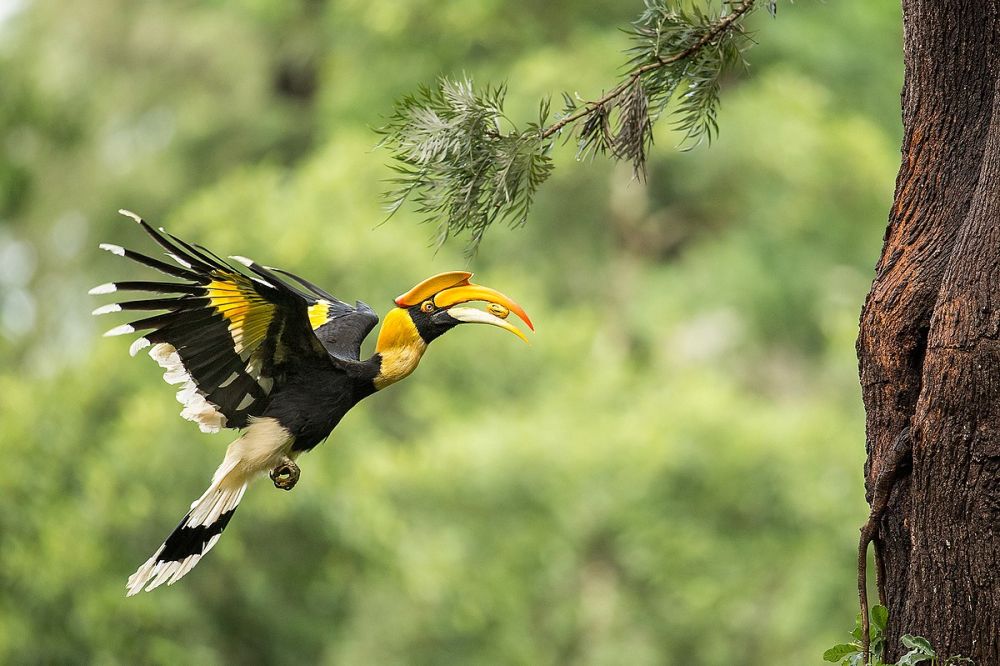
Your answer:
<point x="501" y="305"/>
<point x="475" y="292"/>
<point x="474" y="316"/>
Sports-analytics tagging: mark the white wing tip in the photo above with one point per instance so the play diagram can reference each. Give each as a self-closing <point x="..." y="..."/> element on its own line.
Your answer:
<point x="113" y="249"/>
<point x="243" y="260"/>
<point x="138" y="345"/>
<point x="106" y="288"/>
<point x="124" y="329"/>
<point x="107" y="309"/>
<point x="128" y="213"/>
<point x="179" y="260"/>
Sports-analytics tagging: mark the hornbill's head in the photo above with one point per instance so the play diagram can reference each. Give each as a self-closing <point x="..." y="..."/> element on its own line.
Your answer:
<point x="431" y="308"/>
<point x="435" y="306"/>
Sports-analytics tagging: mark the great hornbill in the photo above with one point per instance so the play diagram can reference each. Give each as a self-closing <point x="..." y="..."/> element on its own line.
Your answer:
<point x="271" y="354"/>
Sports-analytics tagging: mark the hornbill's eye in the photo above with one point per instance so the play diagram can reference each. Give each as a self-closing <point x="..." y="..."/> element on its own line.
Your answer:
<point x="427" y="306"/>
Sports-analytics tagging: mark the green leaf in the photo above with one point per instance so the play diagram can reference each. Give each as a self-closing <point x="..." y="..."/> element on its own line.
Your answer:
<point x="838" y="652"/>
<point x="857" y="627"/>
<point x="880" y="617"/>
<point x="877" y="644"/>
<point x="914" y="657"/>
<point x="918" y="643"/>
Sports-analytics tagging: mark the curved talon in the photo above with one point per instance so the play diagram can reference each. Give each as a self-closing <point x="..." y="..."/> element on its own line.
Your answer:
<point x="285" y="475"/>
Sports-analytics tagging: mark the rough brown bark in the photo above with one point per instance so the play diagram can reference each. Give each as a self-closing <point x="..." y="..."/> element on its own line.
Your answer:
<point x="929" y="343"/>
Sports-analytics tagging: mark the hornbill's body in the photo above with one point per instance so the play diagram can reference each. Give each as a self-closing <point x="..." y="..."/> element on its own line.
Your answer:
<point x="266" y="352"/>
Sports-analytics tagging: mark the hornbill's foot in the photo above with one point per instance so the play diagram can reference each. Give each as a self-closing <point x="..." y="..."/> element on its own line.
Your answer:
<point x="286" y="474"/>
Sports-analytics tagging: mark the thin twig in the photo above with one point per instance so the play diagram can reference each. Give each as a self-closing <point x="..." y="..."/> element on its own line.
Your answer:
<point x="591" y="107"/>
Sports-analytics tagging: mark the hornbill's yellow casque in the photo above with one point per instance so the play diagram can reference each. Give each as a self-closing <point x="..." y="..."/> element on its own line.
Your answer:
<point x="269" y="353"/>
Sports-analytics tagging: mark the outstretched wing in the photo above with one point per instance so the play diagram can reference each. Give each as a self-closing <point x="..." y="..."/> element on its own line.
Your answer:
<point x="340" y="327"/>
<point x="228" y="337"/>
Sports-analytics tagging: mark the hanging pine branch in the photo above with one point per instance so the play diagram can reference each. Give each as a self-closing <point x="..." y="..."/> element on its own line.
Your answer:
<point x="465" y="165"/>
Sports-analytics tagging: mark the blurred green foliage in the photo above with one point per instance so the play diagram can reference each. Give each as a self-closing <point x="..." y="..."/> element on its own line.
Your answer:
<point x="670" y="474"/>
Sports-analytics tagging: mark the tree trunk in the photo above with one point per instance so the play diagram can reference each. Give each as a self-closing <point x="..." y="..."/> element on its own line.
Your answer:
<point x="929" y="344"/>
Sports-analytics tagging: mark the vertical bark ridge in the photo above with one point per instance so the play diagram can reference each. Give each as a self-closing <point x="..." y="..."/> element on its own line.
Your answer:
<point x="955" y="527"/>
<point x="948" y="52"/>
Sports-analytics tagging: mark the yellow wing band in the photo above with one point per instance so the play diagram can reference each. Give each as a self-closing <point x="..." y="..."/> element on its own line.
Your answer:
<point x="248" y="314"/>
<point x="319" y="314"/>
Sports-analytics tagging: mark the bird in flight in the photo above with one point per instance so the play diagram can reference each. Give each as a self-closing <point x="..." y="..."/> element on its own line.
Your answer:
<point x="270" y="354"/>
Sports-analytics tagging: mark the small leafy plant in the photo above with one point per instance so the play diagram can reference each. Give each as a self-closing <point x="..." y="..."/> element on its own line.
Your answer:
<point x="921" y="652"/>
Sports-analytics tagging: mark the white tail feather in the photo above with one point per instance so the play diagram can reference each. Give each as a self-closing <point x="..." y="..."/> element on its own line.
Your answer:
<point x="222" y="496"/>
<point x="259" y="449"/>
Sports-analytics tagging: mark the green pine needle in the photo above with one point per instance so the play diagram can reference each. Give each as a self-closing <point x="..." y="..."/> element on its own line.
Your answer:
<point x="464" y="165"/>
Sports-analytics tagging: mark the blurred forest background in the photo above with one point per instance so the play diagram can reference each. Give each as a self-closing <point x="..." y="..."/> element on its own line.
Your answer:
<point x="671" y="474"/>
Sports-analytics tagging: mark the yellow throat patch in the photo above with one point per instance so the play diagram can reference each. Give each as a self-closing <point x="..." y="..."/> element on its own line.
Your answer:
<point x="400" y="346"/>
